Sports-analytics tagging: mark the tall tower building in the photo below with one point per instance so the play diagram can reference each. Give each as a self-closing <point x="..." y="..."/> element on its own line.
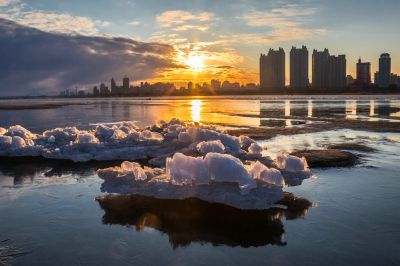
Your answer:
<point x="125" y="84"/>
<point x="320" y="68"/>
<point x="363" y="72"/>
<point x="384" y="71"/>
<point x="272" y="69"/>
<point x="337" y="72"/>
<point x="299" y="67"/>
<point x="328" y="71"/>
<point x="113" y="86"/>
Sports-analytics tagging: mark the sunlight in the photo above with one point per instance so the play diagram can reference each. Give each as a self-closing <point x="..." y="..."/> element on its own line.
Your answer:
<point x="195" y="62"/>
<point x="196" y="110"/>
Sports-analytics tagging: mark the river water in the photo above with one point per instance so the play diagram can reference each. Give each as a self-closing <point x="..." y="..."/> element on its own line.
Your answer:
<point x="49" y="211"/>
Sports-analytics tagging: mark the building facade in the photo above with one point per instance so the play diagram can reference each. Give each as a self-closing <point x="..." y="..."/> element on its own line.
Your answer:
<point x="384" y="71"/>
<point x="272" y="69"/>
<point x="328" y="71"/>
<point x="363" y="73"/>
<point x="125" y="84"/>
<point x="299" y="67"/>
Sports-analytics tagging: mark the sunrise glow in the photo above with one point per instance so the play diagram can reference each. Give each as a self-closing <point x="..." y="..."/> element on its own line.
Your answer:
<point x="195" y="63"/>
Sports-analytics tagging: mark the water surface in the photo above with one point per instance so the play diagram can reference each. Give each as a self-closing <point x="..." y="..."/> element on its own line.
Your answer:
<point x="49" y="209"/>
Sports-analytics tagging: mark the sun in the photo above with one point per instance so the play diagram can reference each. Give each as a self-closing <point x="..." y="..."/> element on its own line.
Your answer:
<point x="195" y="62"/>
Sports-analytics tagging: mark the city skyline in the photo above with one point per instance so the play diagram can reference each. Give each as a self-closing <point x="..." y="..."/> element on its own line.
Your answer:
<point x="182" y="41"/>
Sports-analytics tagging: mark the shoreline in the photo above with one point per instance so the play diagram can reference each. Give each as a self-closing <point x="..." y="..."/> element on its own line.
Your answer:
<point x="391" y="92"/>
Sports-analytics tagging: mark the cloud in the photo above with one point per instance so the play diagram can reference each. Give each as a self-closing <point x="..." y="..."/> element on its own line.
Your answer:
<point x="38" y="62"/>
<point x="188" y="27"/>
<point x="287" y="23"/>
<point x="4" y="3"/>
<point x="176" y="17"/>
<point x="50" y="21"/>
<point x="134" y="23"/>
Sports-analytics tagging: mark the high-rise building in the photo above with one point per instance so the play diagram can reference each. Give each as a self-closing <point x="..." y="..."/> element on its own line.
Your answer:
<point x="125" y="84"/>
<point x="190" y="85"/>
<point x="363" y="72"/>
<point x="113" y="87"/>
<point x="272" y="69"/>
<point x="384" y="71"/>
<point x="328" y="71"/>
<point x="337" y="72"/>
<point x="104" y="89"/>
<point x="299" y="67"/>
<point x="215" y="84"/>
<point x="320" y="68"/>
<point x="376" y="77"/>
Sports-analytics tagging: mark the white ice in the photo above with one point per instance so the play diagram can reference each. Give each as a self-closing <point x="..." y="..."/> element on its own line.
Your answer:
<point x="217" y="178"/>
<point x="205" y="147"/>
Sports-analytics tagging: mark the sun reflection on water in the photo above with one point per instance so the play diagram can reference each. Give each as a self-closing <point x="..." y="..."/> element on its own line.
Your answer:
<point x="196" y="110"/>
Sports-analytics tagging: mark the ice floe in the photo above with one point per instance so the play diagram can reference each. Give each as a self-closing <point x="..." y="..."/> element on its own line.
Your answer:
<point x="183" y="161"/>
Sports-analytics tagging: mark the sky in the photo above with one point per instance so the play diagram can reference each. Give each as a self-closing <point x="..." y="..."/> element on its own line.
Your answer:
<point x="47" y="46"/>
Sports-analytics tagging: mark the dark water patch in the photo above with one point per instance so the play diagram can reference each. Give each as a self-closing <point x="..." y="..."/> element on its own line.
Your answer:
<point x="22" y="168"/>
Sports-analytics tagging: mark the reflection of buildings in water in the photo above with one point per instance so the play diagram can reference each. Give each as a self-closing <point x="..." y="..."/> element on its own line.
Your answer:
<point x="288" y="122"/>
<point x="196" y="110"/>
<point x="371" y="108"/>
<point x="284" y="113"/>
<point x="127" y="111"/>
<point x="372" y="114"/>
<point x="395" y="108"/>
<point x="193" y="220"/>
<point x="383" y="109"/>
<point x="309" y="108"/>
<point x="351" y="109"/>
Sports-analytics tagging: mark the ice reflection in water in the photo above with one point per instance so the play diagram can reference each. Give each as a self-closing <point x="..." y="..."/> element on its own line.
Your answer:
<point x="192" y="220"/>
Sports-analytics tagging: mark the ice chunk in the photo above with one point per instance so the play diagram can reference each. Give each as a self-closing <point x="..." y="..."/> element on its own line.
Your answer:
<point x="62" y="135"/>
<point x="205" y="147"/>
<point x="86" y="138"/>
<point x="291" y="163"/>
<point x="201" y="134"/>
<point x="150" y="135"/>
<point x="51" y="139"/>
<point x="104" y="132"/>
<point x="128" y="170"/>
<point x="255" y="149"/>
<point x="186" y="170"/>
<point x="20" y="132"/>
<point x="245" y="142"/>
<point x="269" y="175"/>
<point x="18" y="142"/>
<point x="5" y="141"/>
<point x="135" y="169"/>
<point x="118" y="134"/>
<point x="226" y="168"/>
<point x="184" y="137"/>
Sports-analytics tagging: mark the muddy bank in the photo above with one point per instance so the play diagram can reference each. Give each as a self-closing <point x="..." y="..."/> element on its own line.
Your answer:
<point x="270" y="132"/>
<point x="327" y="158"/>
<point x="351" y="146"/>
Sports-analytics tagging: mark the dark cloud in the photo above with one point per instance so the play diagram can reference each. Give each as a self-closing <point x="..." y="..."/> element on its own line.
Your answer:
<point x="37" y="62"/>
<point x="224" y="67"/>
